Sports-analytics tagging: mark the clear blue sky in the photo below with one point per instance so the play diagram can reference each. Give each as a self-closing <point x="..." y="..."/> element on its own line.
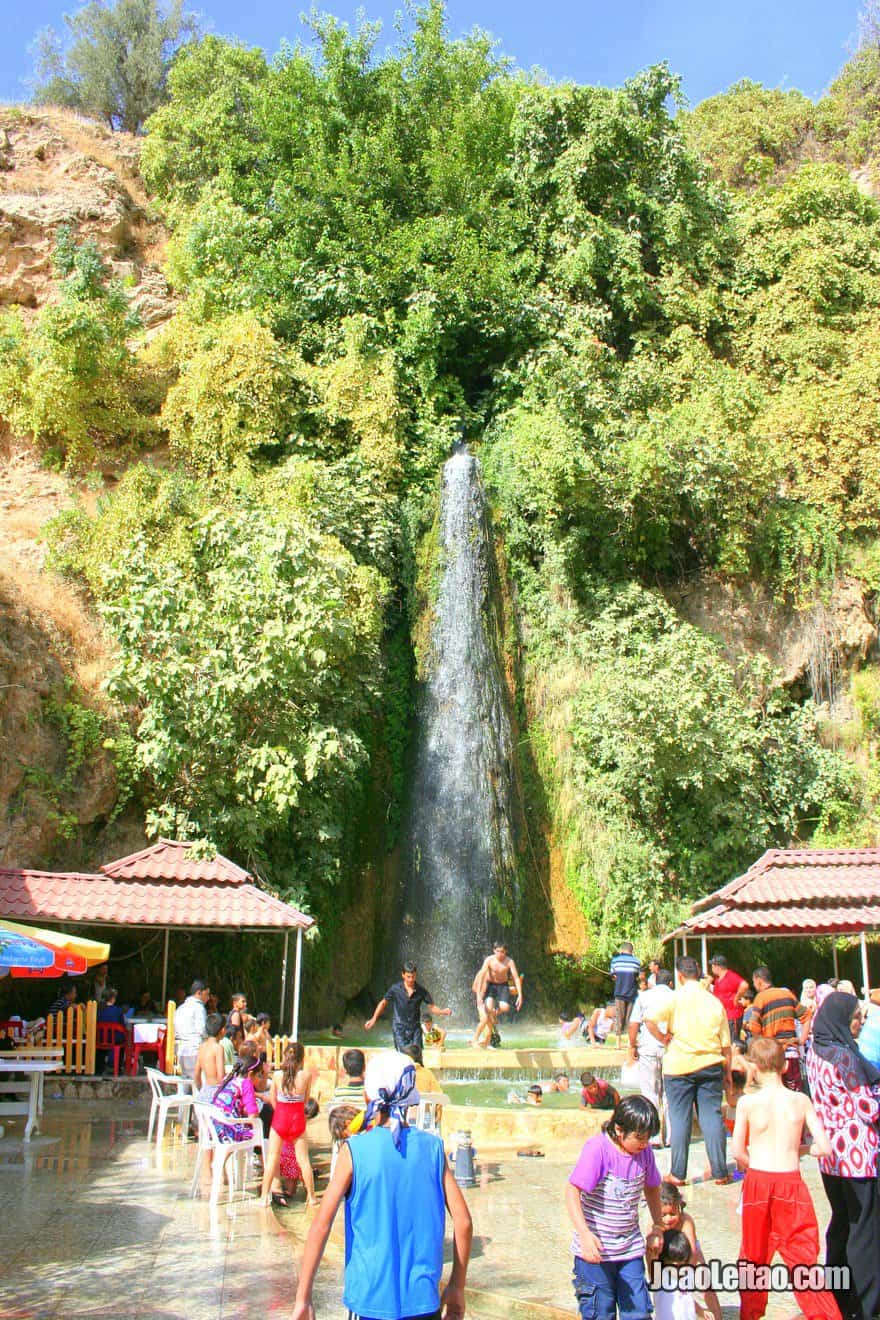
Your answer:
<point x="711" y="43"/>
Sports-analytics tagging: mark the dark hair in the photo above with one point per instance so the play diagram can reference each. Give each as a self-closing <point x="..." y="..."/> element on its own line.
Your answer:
<point x="764" y="974"/>
<point x="237" y="994"/>
<point x="354" y="1063"/>
<point x="557" y="1077"/>
<point x="110" y="992"/>
<point x="672" y="1195"/>
<point x="717" y="960"/>
<point x="310" y="1108"/>
<point x="676" y="1249"/>
<point x="587" y="1079"/>
<point x="499" y="944"/>
<point x="234" y="1029"/>
<point x="197" y="987"/>
<point x="748" y="993"/>
<point x="213" y="1023"/>
<point x="536" y="1090"/>
<point x="264" y="1017"/>
<point x="663" y="977"/>
<point x="687" y="967"/>
<point x="409" y="966"/>
<point x="634" y="1114"/>
<point x="294" y="1058"/>
<point x="626" y="946"/>
<point x="338" y="1120"/>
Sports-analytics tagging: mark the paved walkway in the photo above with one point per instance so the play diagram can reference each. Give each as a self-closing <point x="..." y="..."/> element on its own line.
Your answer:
<point x="97" y="1224"/>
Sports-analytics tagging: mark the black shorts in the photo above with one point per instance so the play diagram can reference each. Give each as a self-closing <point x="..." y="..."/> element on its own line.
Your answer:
<point x="499" y="992"/>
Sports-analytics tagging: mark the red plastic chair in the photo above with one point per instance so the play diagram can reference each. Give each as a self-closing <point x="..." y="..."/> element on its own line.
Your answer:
<point x="140" y="1047"/>
<point x="112" y="1039"/>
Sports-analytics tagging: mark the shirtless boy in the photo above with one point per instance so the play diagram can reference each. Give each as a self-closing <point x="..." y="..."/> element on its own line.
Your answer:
<point x="776" y="1205"/>
<point x="492" y="989"/>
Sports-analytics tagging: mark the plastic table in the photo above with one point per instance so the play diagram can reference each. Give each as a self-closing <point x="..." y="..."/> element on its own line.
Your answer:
<point x="33" y="1071"/>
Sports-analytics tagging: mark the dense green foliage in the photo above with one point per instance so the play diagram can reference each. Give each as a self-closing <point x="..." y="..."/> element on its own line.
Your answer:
<point x="72" y="383"/>
<point x="660" y="326"/>
<point x="114" y="60"/>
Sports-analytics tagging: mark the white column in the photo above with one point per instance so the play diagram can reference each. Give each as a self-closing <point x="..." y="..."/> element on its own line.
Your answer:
<point x="283" y="982"/>
<point x="704" y="955"/>
<point x="164" y="1000"/>
<point x="866" y="975"/>
<point x="297" y="979"/>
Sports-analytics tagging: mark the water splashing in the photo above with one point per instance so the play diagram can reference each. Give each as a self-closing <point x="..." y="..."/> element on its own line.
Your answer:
<point x="461" y="863"/>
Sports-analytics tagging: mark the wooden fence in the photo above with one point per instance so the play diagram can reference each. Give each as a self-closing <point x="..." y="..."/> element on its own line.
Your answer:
<point x="75" y="1032"/>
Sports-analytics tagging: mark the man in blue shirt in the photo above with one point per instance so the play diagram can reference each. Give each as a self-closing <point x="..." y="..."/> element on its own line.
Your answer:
<point x="625" y="968"/>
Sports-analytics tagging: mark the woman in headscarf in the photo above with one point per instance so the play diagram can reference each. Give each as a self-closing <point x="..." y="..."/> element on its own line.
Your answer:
<point x="846" y="1093"/>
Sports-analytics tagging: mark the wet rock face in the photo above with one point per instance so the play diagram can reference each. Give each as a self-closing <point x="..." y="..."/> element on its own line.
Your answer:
<point x="813" y="648"/>
<point x="460" y="856"/>
<point x="59" y="170"/>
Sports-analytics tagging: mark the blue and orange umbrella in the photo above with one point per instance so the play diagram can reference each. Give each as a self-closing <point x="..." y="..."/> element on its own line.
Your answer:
<point x="29" y="951"/>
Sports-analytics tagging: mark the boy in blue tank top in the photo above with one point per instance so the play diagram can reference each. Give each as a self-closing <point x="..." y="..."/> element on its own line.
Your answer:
<point x="397" y="1188"/>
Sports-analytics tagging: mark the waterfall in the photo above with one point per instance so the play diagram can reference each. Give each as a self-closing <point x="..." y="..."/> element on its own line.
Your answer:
<point x="461" y="853"/>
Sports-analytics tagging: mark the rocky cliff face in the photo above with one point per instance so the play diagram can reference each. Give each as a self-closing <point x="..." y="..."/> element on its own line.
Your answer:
<point x="815" y="649"/>
<point x="57" y="169"/>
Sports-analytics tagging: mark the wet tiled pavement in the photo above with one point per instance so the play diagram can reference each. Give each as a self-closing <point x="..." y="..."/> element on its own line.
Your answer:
<point x="97" y="1224"/>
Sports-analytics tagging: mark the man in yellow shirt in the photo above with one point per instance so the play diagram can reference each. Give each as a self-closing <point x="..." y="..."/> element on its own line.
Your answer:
<point x="693" y="1026"/>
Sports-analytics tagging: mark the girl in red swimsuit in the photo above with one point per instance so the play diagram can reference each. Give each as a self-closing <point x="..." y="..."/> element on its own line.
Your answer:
<point x="289" y="1123"/>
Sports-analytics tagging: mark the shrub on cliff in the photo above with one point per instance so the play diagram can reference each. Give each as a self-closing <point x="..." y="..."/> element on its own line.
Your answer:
<point x="71" y="382"/>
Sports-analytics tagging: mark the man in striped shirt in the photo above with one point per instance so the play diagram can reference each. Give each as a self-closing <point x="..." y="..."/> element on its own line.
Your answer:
<point x="774" y="1013"/>
<point x="625" y="968"/>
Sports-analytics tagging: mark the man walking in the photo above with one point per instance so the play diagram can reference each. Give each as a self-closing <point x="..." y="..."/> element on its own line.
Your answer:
<point x="625" y="968"/>
<point x="692" y="1024"/>
<point x="492" y="989"/>
<point x="773" y="1016"/>
<point x="406" y="997"/>
<point x="648" y="1051"/>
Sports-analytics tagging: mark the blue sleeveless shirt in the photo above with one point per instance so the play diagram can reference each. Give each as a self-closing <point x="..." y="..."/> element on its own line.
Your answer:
<point x="395" y="1218"/>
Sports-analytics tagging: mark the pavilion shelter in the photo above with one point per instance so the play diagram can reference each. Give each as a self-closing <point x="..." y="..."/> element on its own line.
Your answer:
<point x="162" y="887"/>
<point x="793" y="892"/>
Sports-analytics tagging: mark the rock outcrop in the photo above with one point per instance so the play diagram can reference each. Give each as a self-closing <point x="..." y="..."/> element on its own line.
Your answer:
<point x="59" y="170"/>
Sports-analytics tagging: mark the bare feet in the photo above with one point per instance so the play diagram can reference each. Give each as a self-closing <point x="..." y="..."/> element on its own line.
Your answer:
<point x="676" y="1182"/>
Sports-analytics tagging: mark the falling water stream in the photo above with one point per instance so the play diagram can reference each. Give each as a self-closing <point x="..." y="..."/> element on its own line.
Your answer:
<point x="460" y="867"/>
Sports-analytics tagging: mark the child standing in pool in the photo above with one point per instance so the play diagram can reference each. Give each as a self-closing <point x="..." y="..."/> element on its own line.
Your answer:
<point x="615" y="1170"/>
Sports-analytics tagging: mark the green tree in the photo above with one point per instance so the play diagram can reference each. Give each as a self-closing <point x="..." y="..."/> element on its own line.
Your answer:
<point x="115" y="60"/>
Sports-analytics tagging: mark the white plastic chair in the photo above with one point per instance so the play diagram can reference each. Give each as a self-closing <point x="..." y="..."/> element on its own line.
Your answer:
<point x="208" y="1117"/>
<point x="176" y="1101"/>
<point x="431" y="1110"/>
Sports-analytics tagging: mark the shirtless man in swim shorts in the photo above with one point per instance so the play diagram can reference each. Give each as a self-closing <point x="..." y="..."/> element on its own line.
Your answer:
<point x="492" y="989"/>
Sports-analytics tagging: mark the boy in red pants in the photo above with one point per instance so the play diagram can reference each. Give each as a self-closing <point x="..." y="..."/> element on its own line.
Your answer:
<point x="777" y="1211"/>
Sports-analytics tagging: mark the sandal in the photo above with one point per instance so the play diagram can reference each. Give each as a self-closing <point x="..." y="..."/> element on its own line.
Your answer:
<point x="279" y="1199"/>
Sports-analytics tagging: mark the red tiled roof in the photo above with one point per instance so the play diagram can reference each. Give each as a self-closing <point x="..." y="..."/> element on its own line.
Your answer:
<point x="169" y="860"/>
<point x="794" y="891"/>
<point x="803" y="875"/>
<point x="102" y="899"/>
<point x="807" y="921"/>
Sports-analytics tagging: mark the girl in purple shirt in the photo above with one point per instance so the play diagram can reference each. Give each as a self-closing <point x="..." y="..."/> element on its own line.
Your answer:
<point x="615" y="1169"/>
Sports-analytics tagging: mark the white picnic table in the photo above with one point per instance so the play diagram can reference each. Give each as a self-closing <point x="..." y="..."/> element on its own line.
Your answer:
<point x="33" y="1071"/>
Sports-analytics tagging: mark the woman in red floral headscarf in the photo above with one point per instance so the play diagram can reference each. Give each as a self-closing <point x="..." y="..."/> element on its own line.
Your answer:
<point x="846" y="1092"/>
